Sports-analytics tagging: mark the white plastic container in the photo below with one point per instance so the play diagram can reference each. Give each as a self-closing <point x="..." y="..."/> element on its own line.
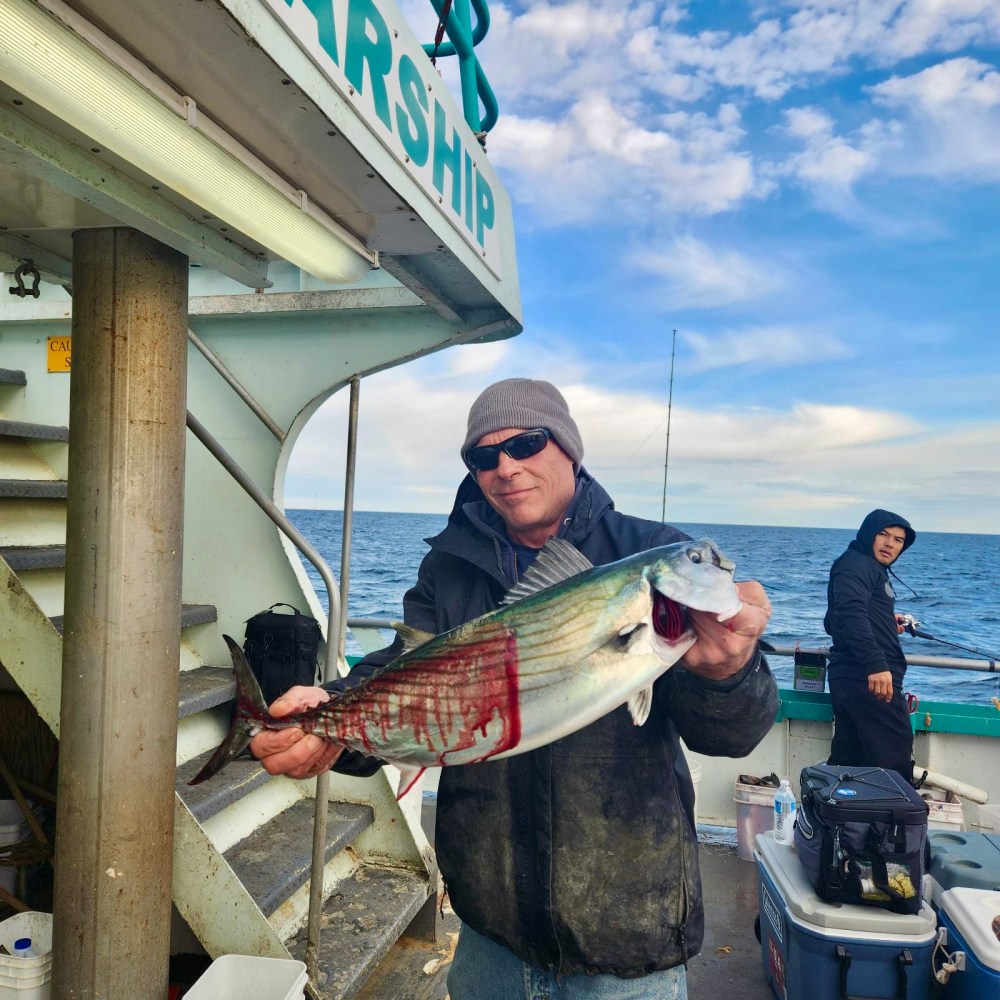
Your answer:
<point x="247" y="977"/>
<point x="754" y="814"/>
<point x="13" y="829"/>
<point x="26" y="978"/>
<point x="944" y="810"/>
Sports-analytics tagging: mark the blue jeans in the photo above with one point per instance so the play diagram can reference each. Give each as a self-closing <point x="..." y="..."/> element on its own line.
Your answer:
<point x="485" y="970"/>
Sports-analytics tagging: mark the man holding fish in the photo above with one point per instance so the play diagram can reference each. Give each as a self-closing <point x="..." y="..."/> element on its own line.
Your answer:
<point x="571" y="859"/>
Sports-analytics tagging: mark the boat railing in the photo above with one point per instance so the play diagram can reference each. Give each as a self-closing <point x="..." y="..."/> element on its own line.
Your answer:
<point x="913" y="660"/>
<point x="336" y="597"/>
<point x="368" y="633"/>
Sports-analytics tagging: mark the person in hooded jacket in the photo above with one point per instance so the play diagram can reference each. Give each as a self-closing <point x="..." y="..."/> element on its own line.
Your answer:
<point x="871" y="718"/>
<point x="573" y="867"/>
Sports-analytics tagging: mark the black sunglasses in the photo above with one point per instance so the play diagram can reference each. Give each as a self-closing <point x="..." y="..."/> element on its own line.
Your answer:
<point x="519" y="447"/>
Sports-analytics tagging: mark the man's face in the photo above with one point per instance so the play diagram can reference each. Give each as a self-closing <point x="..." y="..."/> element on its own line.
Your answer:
<point x="531" y="495"/>
<point x="888" y="544"/>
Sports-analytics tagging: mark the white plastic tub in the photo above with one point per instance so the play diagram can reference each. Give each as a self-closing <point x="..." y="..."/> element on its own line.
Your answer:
<point x="26" y="978"/>
<point x="247" y="977"/>
<point x="754" y="814"/>
<point x="13" y="829"/>
<point x="944" y="810"/>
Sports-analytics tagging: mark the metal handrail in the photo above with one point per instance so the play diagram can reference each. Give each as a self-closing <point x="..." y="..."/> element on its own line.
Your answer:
<point x="219" y="365"/>
<point x="986" y="665"/>
<point x="334" y="641"/>
<point x="475" y="86"/>
<point x="918" y="660"/>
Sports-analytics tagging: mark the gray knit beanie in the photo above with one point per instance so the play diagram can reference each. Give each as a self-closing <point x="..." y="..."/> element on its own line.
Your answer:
<point x="527" y="403"/>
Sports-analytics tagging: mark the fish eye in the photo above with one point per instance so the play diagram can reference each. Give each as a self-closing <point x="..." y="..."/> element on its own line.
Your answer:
<point x="694" y="555"/>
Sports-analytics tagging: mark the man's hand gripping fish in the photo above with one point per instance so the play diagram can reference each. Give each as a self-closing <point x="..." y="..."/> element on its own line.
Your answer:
<point x="570" y="643"/>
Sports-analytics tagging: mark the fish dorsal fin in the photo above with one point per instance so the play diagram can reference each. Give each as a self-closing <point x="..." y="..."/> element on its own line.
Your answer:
<point x="556" y="561"/>
<point x="640" y="705"/>
<point x="412" y="637"/>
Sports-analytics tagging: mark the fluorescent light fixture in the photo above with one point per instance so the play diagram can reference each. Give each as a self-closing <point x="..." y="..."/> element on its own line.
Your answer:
<point x="158" y="131"/>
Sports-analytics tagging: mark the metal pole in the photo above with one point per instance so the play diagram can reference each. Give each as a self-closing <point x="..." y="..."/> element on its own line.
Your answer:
<point x="121" y="644"/>
<point x="237" y="386"/>
<point x="336" y="644"/>
<point x="670" y="404"/>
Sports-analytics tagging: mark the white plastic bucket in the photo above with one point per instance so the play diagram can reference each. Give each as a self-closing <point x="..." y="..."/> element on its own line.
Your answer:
<point x="13" y="829"/>
<point x="247" y="977"/>
<point x="754" y="814"/>
<point x="26" y="978"/>
<point x="944" y="810"/>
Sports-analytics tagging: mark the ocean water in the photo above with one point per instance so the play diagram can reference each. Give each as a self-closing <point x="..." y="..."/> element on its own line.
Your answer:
<point x="948" y="583"/>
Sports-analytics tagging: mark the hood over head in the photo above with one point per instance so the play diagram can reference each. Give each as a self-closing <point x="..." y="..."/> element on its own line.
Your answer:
<point x="876" y="521"/>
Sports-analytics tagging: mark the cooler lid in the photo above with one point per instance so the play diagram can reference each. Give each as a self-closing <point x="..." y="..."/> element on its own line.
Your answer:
<point x="786" y="870"/>
<point x="970" y="860"/>
<point x="976" y="916"/>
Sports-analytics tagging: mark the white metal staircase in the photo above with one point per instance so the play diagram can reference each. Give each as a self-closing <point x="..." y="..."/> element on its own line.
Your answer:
<point x="242" y="841"/>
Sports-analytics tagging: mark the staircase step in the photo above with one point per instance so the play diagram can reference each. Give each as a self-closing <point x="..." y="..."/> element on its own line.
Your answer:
<point x="37" y="432"/>
<point x="362" y="920"/>
<point x="22" y="557"/>
<point x="191" y="614"/>
<point x="240" y="778"/>
<point x="275" y="859"/>
<point x="204" y="688"/>
<point x="12" y="376"/>
<point x="33" y="489"/>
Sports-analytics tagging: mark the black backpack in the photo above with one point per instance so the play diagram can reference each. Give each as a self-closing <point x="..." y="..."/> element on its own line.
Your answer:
<point x="861" y="834"/>
<point x="282" y="650"/>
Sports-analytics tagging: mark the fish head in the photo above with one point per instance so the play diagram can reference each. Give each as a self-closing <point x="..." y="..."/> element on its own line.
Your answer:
<point x="687" y="575"/>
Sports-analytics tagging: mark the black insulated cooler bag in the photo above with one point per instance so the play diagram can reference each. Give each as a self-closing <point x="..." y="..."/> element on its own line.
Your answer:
<point x="861" y="834"/>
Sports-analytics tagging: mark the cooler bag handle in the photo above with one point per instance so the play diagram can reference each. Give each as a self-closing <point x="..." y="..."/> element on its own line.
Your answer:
<point x="844" y="958"/>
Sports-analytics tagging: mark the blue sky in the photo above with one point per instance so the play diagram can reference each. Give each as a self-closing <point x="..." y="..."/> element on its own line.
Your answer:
<point x="806" y="192"/>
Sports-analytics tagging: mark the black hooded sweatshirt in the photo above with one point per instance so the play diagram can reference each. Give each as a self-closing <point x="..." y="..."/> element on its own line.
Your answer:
<point x="860" y="612"/>
<point x="581" y="855"/>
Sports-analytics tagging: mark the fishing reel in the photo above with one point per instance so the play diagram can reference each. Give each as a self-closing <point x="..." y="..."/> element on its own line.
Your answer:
<point x="909" y="623"/>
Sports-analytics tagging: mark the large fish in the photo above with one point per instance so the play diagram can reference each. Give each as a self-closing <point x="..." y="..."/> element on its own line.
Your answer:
<point x="570" y="643"/>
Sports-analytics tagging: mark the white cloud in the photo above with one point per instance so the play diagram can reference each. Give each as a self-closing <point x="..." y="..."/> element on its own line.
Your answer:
<point x="597" y="161"/>
<point x="773" y="347"/>
<point x="699" y="276"/>
<point x="953" y="113"/>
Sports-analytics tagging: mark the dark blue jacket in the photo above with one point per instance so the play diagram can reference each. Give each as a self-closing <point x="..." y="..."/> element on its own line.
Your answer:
<point x="581" y="855"/>
<point x="861" y="615"/>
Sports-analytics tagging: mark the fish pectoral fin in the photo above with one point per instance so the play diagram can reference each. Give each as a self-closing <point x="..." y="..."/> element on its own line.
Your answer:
<point x="408" y="777"/>
<point x="640" y="705"/>
<point x="411" y="637"/>
<point x="557" y="560"/>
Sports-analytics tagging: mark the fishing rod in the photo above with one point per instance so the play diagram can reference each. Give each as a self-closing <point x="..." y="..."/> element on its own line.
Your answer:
<point x="911" y="625"/>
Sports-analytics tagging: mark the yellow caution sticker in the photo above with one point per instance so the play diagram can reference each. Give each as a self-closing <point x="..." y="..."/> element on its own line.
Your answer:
<point x="59" y="353"/>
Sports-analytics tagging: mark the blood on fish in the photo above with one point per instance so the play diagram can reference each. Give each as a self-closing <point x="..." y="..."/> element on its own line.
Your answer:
<point x="447" y="701"/>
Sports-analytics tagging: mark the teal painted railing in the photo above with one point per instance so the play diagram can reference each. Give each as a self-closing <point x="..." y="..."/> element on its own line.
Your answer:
<point x="464" y="37"/>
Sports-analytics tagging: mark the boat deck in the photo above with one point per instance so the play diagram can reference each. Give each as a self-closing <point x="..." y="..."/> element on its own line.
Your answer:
<point x="729" y="964"/>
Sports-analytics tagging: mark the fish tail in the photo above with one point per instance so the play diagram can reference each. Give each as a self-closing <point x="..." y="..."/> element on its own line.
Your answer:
<point x="250" y="706"/>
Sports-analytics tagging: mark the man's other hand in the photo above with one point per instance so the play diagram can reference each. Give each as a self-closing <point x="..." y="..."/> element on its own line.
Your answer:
<point x="293" y="752"/>
<point x="724" y="648"/>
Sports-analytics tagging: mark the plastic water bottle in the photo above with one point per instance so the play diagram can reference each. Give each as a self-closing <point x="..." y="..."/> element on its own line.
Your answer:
<point x="784" y="813"/>
<point x="23" y="949"/>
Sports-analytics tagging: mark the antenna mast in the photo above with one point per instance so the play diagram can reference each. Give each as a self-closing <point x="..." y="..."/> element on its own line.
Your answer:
<point x="670" y="403"/>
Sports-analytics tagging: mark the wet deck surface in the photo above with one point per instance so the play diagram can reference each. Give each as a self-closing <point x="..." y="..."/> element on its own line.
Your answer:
<point x="728" y="967"/>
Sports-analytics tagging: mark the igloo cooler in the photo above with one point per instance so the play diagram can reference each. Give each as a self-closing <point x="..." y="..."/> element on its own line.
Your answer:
<point x="960" y="859"/>
<point x="812" y="950"/>
<point x="971" y="918"/>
